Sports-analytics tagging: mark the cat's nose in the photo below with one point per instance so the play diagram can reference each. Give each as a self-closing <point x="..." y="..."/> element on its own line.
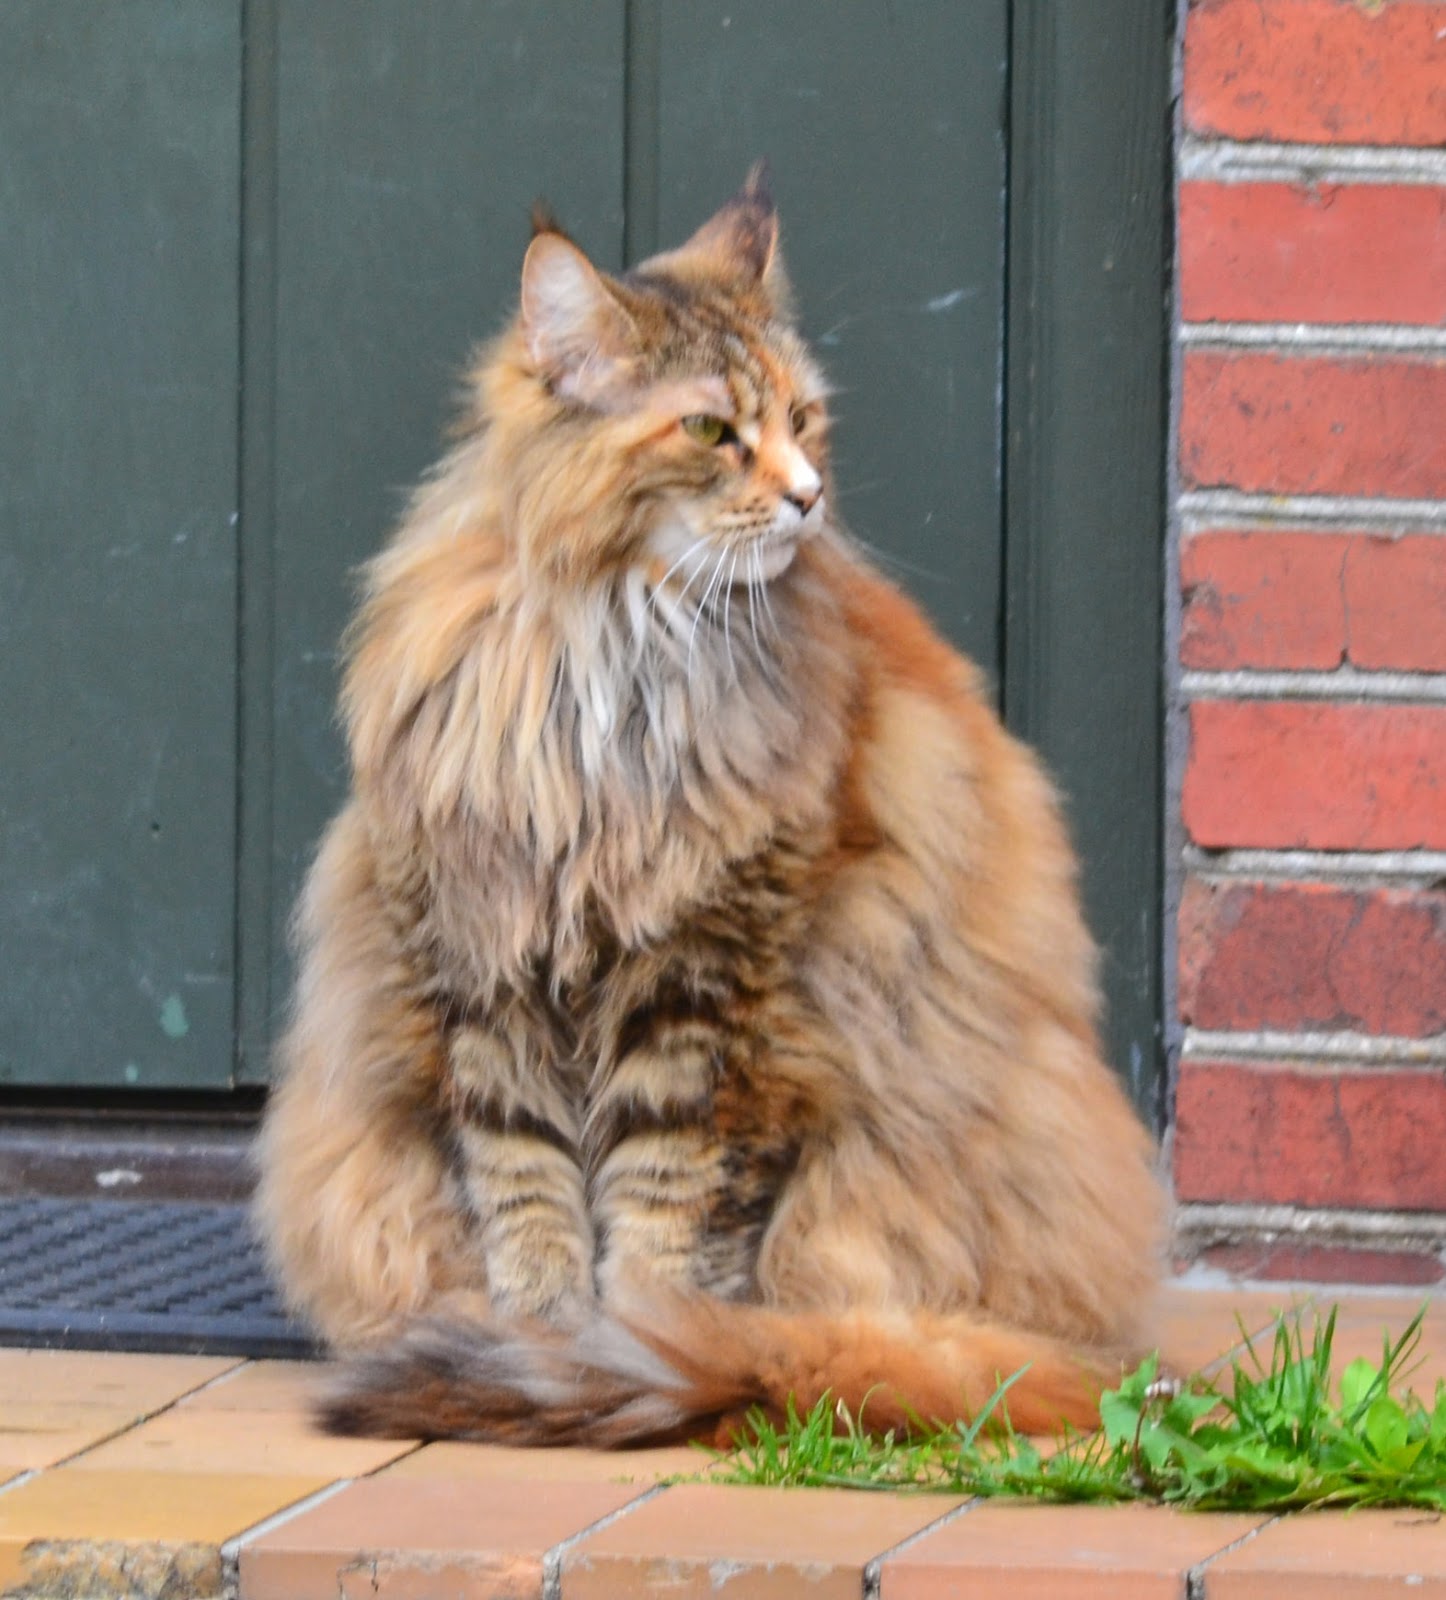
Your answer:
<point x="805" y="497"/>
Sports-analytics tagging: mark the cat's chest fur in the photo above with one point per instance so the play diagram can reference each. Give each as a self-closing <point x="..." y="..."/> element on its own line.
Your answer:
<point x="613" y="792"/>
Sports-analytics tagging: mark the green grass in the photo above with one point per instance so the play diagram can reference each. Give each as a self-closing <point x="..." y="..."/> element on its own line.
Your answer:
<point x="1286" y="1434"/>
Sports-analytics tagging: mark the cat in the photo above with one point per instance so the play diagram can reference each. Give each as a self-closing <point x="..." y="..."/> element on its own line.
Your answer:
<point x="694" y="1004"/>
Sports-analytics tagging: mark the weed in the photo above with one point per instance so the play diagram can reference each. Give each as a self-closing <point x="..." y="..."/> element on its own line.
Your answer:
<point x="1282" y="1435"/>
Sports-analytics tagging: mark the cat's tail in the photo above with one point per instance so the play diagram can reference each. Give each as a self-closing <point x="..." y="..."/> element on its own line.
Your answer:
<point x="690" y="1366"/>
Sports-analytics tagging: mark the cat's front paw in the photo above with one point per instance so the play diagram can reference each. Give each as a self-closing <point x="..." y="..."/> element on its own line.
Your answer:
<point x="549" y="1282"/>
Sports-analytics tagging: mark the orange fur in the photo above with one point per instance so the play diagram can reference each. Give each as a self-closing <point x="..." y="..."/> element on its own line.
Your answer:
<point x="695" y="1005"/>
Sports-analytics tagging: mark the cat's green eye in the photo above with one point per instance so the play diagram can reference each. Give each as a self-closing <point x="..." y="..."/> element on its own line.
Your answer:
<point x="798" y="419"/>
<point x="706" y="430"/>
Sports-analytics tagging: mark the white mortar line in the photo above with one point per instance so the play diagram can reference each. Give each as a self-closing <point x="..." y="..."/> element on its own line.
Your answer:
<point x="874" y="1570"/>
<point x="1366" y="1049"/>
<point x="1346" y="683"/>
<point x="1228" y="161"/>
<point x="1321" y="337"/>
<point x="1350" y="865"/>
<point x="231" y="1549"/>
<point x="1210" y="506"/>
<point x="1419" y="1227"/>
<point x="552" y="1561"/>
<point x="1195" y="1577"/>
<point x="1368" y="528"/>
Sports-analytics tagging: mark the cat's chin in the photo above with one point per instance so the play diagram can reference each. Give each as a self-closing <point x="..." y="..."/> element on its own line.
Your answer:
<point x="775" y="557"/>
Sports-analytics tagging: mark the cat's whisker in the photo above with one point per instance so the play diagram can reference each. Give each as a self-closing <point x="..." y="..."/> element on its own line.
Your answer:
<point x="750" y="572"/>
<point x="657" y="589"/>
<point x="703" y="605"/>
<point x="887" y="558"/>
<point x="767" y="600"/>
<point x="677" y="616"/>
<point x="727" y="613"/>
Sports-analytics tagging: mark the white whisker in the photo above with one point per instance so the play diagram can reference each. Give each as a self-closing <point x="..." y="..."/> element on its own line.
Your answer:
<point x="657" y="589"/>
<point x="703" y="605"/>
<point x="767" y="601"/>
<point x="727" y="613"/>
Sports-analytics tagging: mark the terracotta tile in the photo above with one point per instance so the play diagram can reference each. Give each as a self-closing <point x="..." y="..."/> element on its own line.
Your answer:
<point x="698" y="1541"/>
<point x="41" y="1433"/>
<point x="1346" y="1555"/>
<point x="391" y="1539"/>
<point x="1366" y="1337"/>
<point x="240" y="1441"/>
<point x="264" y="1386"/>
<point x="497" y="1462"/>
<point x="70" y="1532"/>
<point x="1197" y="1328"/>
<point x="1041" y="1552"/>
<point x="136" y="1383"/>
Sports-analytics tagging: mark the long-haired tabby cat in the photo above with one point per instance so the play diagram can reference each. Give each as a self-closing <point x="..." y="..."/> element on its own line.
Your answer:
<point x="695" y="1007"/>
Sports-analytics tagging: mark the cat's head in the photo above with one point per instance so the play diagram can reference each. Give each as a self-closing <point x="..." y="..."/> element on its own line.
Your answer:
<point x="669" y="419"/>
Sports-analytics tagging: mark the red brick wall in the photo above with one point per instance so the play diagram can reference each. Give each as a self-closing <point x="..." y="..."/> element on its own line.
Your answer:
<point x="1311" y="958"/>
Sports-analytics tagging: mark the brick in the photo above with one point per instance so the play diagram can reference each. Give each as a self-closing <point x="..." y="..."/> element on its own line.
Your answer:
<point x="1316" y="775"/>
<point x="1130" y="1552"/>
<point x="1357" y="1555"/>
<point x="1279" y="1134"/>
<point x="131" y="1533"/>
<point x="385" y="1539"/>
<point x="1317" y="71"/>
<point x="1292" y="599"/>
<point x="1361" y="425"/>
<point x="1299" y="1261"/>
<point x="1321" y="252"/>
<point x="1198" y="1329"/>
<point x="696" y="1541"/>
<point x="1262" y="600"/>
<point x="1312" y="957"/>
<point x="1396" y="603"/>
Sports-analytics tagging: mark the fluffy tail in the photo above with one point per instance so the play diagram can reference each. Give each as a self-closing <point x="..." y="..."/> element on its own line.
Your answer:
<point x="689" y="1367"/>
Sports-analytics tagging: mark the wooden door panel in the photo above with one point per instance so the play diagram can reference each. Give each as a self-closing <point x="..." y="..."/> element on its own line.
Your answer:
<point x="411" y="144"/>
<point x="885" y="128"/>
<point x="119" y="127"/>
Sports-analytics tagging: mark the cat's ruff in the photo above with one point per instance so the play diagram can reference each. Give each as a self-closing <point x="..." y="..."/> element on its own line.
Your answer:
<point x="694" y="1006"/>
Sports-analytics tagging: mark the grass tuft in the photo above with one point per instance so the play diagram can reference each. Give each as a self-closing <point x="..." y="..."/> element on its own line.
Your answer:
<point x="1285" y="1434"/>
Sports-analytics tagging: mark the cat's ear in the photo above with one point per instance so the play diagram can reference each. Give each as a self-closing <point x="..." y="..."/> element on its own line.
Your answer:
<point x="577" y="331"/>
<point x="742" y="238"/>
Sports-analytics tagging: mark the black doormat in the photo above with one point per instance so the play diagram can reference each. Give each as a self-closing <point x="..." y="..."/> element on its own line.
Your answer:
<point x="174" y="1276"/>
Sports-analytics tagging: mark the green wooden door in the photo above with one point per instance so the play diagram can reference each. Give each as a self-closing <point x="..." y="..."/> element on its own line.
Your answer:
<point x="317" y="206"/>
<point x="120" y="146"/>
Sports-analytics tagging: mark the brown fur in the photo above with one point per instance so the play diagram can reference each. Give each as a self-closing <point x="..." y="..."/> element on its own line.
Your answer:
<point x="694" y="1006"/>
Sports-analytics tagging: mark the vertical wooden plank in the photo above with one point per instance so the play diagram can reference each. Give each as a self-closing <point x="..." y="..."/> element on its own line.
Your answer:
<point x="118" y="272"/>
<point x="256" y="543"/>
<point x="884" y="125"/>
<point x="1085" y="462"/>
<point x="411" y="143"/>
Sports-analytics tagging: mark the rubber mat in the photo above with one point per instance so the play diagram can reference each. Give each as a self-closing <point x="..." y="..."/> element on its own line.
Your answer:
<point x="137" y="1275"/>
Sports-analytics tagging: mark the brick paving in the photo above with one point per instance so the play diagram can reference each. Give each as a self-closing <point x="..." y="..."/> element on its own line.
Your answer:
<point x="199" y="1478"/>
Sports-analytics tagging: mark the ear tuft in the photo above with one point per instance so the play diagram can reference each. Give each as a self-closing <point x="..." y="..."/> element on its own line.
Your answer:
<point x="544" y="220"/>
<point x="758" y="185"/>
<point x="743" y="236"/>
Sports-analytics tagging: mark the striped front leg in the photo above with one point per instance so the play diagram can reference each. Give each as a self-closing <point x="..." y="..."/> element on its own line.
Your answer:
<point x="517" y="1141"/>
<point x="654" y="1159"/>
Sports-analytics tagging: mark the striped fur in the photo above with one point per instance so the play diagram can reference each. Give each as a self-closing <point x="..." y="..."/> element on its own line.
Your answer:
<point x="694" y="1002"/>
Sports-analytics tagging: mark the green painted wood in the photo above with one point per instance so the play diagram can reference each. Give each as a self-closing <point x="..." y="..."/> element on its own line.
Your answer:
<point x="885" y="127"/>
<point x="1087" y="408"/>
<point x="411" y="142"/>
<point x="255" y="631"/>
<point x="370" y="166"/>
<point x="119" y="153"/>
